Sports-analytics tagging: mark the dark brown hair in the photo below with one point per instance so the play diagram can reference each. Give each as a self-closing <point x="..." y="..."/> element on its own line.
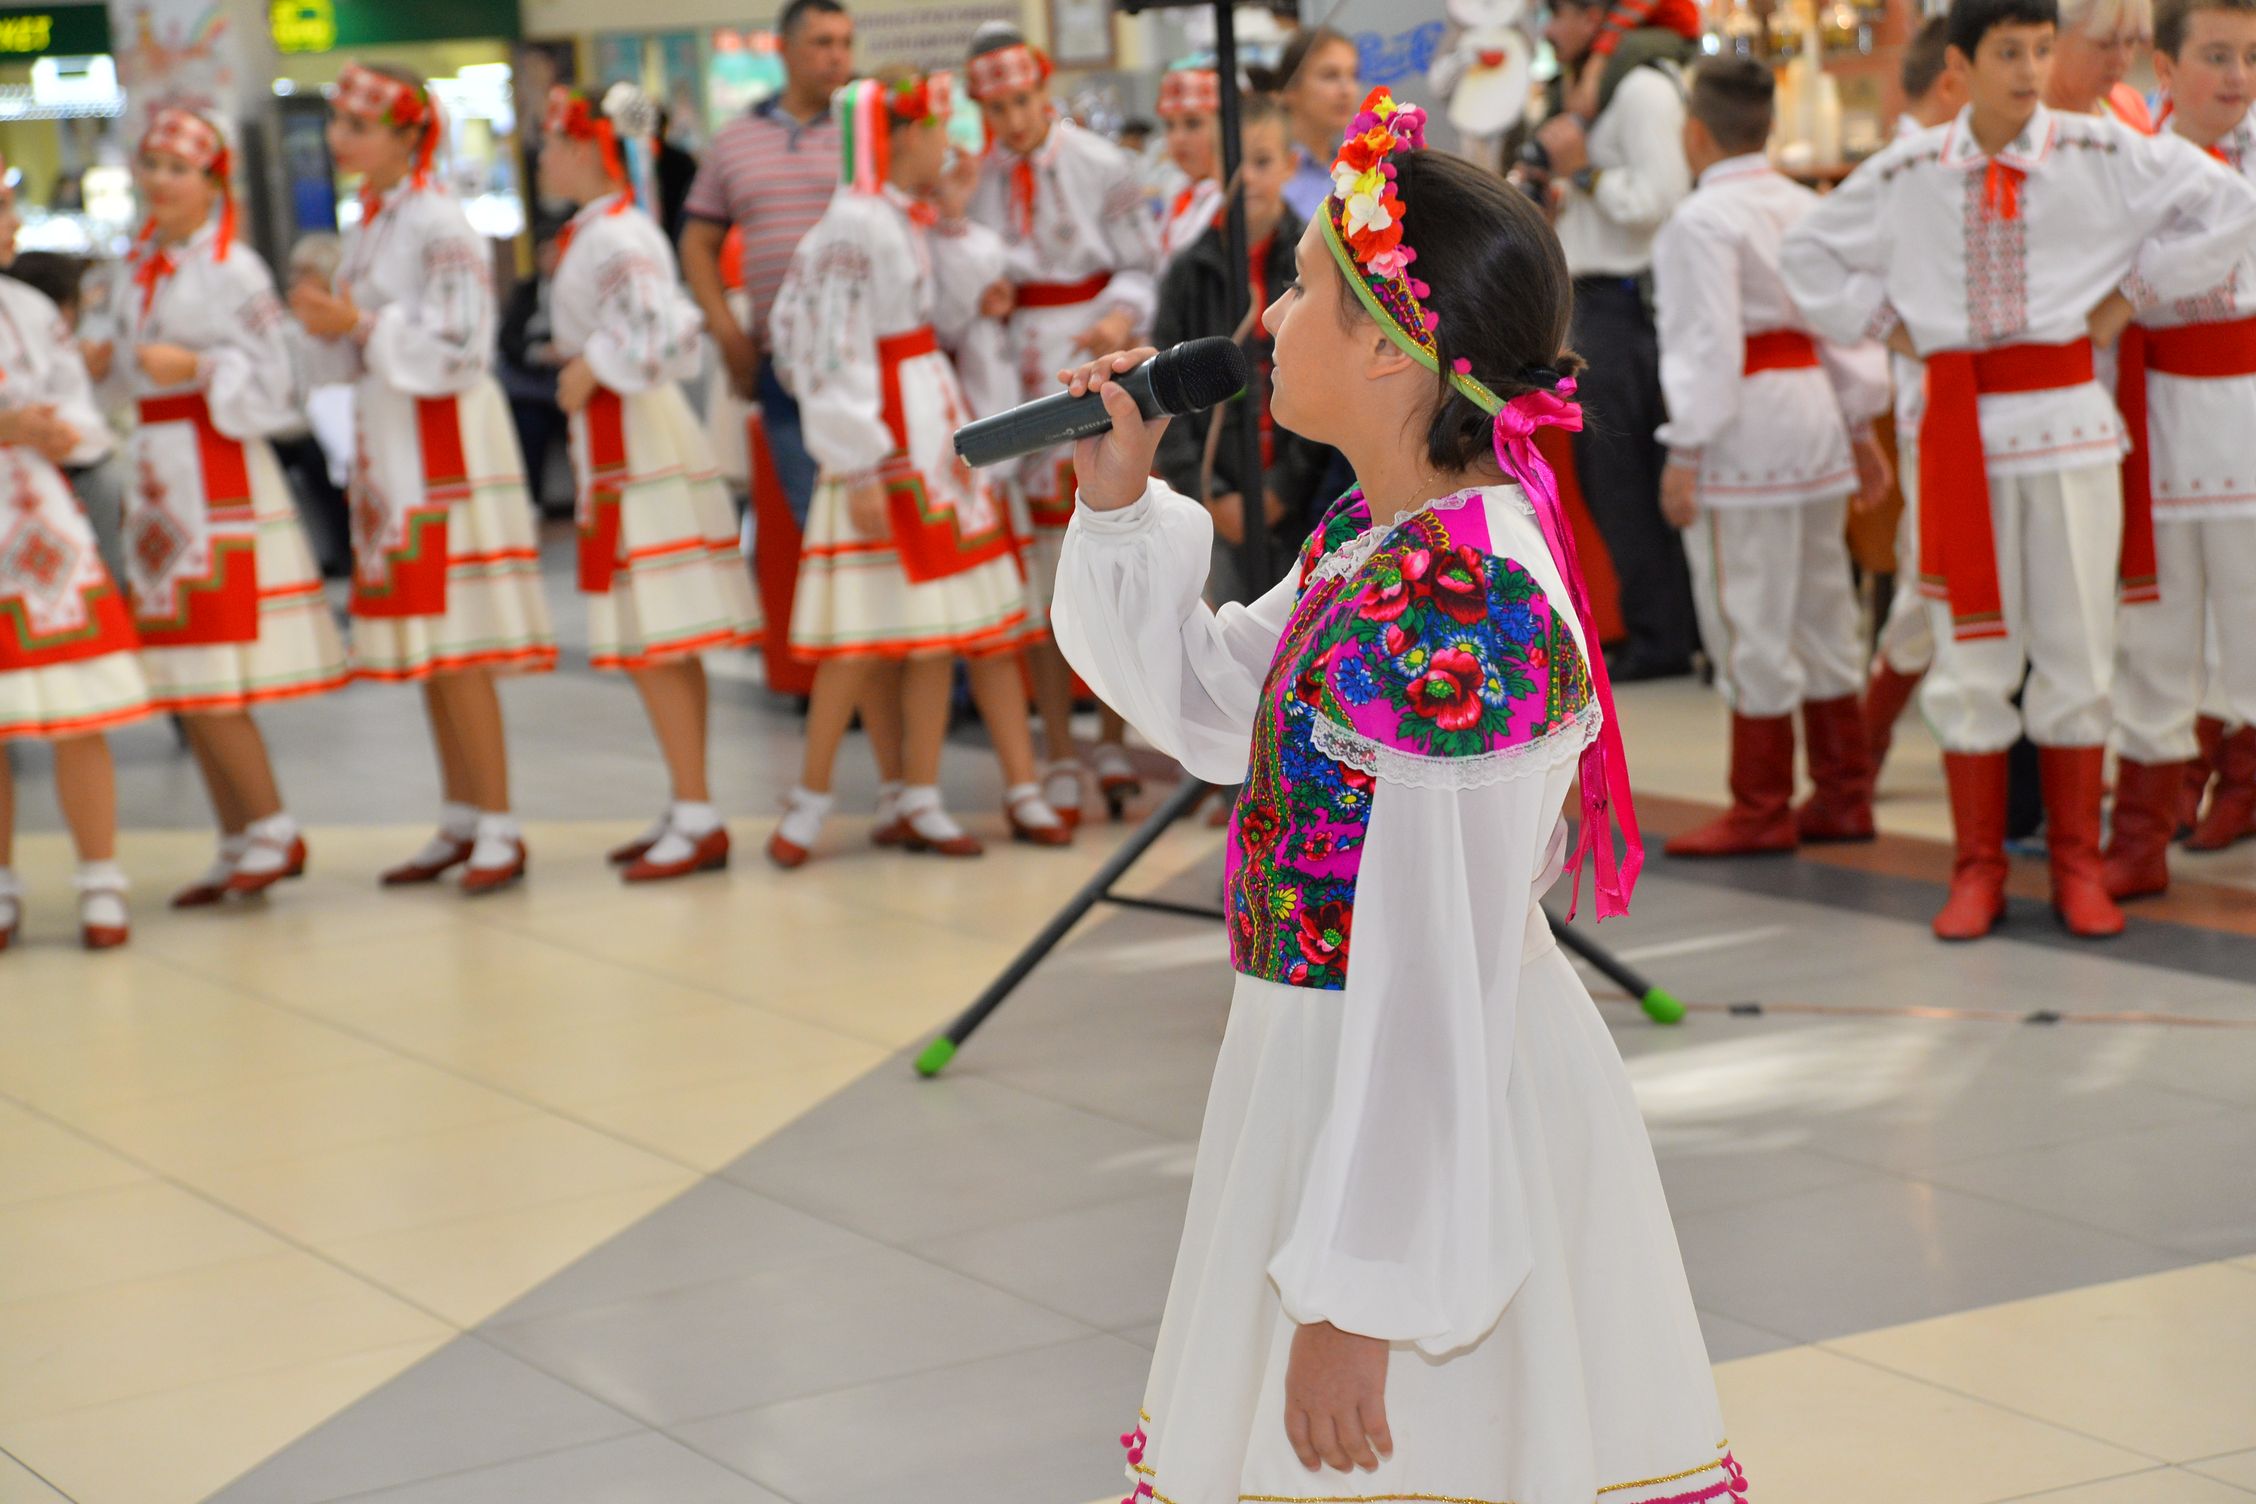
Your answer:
<point x="2171" y="17"/>
<point x="1925" y="57"/>
<point x="1305" y="44"/>
<point x="1733" y="97"/>
<point x="1498" y="281"/>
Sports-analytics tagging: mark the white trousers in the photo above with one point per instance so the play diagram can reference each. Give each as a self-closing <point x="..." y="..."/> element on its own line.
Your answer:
<point x="1907" y="637"/>
<point x="2165" y="673"/>
<point x="2059" y="542"/>
<point x="1777" y="604"/>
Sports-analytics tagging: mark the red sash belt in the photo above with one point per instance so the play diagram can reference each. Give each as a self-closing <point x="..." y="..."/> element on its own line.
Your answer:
<point x="605" y="418"/>
<point x="2202" y="351"/>
<point x="1957" y="543"/>
<point x="1062" y="294"/>
<point x="1779" y="350"/>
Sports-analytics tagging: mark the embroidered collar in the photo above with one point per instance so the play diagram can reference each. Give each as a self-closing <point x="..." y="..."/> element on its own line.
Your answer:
<point x="1752" y="164"/>
<point x="1349" y="556"/>
<point x="2025" y="151"/>
<point x="611" y="203"/>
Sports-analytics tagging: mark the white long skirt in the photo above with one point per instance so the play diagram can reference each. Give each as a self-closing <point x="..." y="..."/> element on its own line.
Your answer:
<point x="1594" y="1384"/>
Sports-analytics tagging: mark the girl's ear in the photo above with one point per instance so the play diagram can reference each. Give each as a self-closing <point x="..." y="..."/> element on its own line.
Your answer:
<point x="1383" y="357"/>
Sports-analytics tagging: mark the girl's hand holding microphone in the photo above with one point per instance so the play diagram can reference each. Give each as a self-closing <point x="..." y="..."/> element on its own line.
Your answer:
<point x="1114" y="467"/>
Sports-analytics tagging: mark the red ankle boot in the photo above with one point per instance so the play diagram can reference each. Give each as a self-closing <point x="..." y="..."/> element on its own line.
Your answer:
<point x="2231" y="815"/>
<point x="1834" y="737"/>
<point x="2138" y="840"/>
<point x="1977" y="890"/>
<point x="1761" y="817"/>
<point x="2073" y="777"/>
<point x="1884" y="700"/>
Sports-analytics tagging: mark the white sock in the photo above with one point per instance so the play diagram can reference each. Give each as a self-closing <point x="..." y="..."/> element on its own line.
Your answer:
<point x="101" y="894"/>
<point x="459" y="820"/>
<point x="266" y="845"/>
<point x="803" y="816"/>
<point x="686" y="825"/>
<point x="1112" y="761"/>
<point x="920" y="806"/>
<point x="1028" y="807"/>
<point x="889" y="800"/>
<point x="497" y="840"/>
<point x="231" y="849"/>
<point x="1061" y="784"/>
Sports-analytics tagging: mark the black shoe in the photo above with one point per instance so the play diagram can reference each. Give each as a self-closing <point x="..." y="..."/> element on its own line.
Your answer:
<point x="1634" y="667"/>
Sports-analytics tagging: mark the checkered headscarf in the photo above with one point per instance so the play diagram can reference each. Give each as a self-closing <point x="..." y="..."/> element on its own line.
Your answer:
<point x="1006" y="70"/>
<point x="377" y="96"/>
<point x="1189" y="91"/>
<point x="198" y="142"/>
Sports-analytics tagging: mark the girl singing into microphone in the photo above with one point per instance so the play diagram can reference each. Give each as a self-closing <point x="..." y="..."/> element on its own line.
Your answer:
<point x="659" y="561"/>
<point x="1426" y="1240"/>
<point x="909" y="560"/>
<point x="225" y="591"/>
<point x="446" y="577"/>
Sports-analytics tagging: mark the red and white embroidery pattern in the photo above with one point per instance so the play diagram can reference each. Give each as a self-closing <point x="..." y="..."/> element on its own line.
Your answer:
<point x="1997" y="267"/>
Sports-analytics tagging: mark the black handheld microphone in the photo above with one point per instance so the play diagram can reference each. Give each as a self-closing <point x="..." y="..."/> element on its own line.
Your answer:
<point x="1197" y="373"/>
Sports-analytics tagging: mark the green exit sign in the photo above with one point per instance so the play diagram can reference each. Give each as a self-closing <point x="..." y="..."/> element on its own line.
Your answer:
<point x="324" y="25"/>
<point x="55" y="31"/>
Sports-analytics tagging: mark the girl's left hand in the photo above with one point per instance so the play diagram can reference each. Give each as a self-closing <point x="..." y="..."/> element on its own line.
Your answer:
<point x="325" y="314"/>
<point x="575" y="384"/>
<point x="1335" y="1399"/>
<point x="167" y="365"/>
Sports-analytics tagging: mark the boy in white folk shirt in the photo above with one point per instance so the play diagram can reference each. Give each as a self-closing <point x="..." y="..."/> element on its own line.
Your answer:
<point x="1934" y="93"/>
<point x="1082" y="280"/>
<point x="2188" y="395"/>
<point x="2001" y="249"/>
<point x="1769" y="433"/>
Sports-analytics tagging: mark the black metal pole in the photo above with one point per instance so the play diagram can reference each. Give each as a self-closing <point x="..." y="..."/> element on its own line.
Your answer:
<point x="1098" y="889"/>
<point x="1660" y="1005"/>
<point x="1253" y="552"/>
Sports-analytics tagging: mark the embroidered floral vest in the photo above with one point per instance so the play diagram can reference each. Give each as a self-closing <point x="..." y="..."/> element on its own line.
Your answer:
<point x="1415" y="654"/>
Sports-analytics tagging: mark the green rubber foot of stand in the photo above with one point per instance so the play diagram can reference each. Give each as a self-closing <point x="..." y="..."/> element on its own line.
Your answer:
<point x="937" y="1054"/>
<point x="1662" y="1007"/>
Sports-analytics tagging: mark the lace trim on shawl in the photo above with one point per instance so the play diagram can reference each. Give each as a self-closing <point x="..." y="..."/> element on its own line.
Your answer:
<point x="1414" y="770"/>
<point x="1350" y="556"/>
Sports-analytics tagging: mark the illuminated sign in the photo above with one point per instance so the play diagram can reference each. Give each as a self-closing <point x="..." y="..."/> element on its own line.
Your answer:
<point x="58" y="30"/>
<point x="325" y="25"/>
<point x="303" y="25"/>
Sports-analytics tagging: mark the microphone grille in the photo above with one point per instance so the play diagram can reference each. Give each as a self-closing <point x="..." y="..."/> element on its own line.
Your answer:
<point x="1198" y="373"/>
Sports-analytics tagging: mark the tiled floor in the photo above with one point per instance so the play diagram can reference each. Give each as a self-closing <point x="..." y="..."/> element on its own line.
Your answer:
<point x="583" y="1194"/>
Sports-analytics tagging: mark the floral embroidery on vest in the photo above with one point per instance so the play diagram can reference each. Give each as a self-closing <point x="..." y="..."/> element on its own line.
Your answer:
<point x="1429" y="658"/>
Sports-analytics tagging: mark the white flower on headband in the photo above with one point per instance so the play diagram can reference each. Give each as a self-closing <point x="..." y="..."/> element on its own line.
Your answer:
<point x="630" y="111"/>
<point x="1367" y="211"/>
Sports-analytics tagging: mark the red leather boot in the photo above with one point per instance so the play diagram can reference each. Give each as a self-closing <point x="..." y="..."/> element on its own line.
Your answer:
<point x="1833" y="733"/>
<point x="2138" y="839"/>
<point x="2073" y="779"/>
<point x="1884" y="700"/>
<point x="2231" y="815"/>
<point x="1977" y="891"/>
<point x="1761" y="817"/>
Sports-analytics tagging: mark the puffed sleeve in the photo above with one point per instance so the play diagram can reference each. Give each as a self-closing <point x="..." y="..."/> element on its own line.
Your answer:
<point x="1835" y="259"/>
<point x="1702" y="332"/>
<point x="1862" y="379"/>
<point x="967" y="259"/>
<point x="251" y="378"/>
<point x="2202" y="217"/>
<point x="1412" y="1224"/>
<point x="646" y="332"/>
<point x="1133" y="239"/>
<point x="824" y="336"/>
<point x="64" y="381"/>
<point x="1130" y="616"/>
<point x="441" y="340"/>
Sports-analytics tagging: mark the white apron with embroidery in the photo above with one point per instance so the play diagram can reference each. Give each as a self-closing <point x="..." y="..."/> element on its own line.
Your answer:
<point x="1588" y="1379"/>
<point x="435" y="446"/>
<point x="858" y="329"/>
<point x="206" y="488"/>
<point x="68" y="660"/>
<point x="660" y="565"/>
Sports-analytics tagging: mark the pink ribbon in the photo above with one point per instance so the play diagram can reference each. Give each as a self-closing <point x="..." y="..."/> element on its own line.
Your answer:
<point x="1606" y="799"/>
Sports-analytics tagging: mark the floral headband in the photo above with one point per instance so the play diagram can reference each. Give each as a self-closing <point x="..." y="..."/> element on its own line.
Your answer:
<point x="377" y="96"/>
<point x="1189" y="91"/>
<point x="1006" y="70"/>
<point x="196" y="141"/>
<point x="866" y="111"/>
<point x="571" y="114"/>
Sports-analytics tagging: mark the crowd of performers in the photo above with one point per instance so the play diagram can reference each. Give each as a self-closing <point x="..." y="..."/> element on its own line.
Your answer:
<point x="2018" y="260"/>
<point x="2069" y="303"/>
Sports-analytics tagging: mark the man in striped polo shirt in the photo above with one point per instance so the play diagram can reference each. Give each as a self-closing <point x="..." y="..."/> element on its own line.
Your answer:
<point x="771" y="174"/>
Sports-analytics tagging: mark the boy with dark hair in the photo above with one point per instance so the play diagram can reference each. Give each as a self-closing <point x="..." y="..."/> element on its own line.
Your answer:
<point x="2188" y="393"/>
<point x="1768" y="435"/>
<point x="2002" y="248"/>
<point x="1934" y="92"/>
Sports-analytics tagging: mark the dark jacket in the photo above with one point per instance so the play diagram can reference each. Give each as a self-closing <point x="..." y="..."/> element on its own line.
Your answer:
<point x="1194" y="300"/>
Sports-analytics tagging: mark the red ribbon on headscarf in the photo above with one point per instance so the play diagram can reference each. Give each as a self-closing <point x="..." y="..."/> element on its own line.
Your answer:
<point x="1606" y="799"/>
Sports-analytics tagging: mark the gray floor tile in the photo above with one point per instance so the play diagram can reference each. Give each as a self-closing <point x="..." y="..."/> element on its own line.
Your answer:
<point x="898" y="1158"/>
<point x="1106" y="1265"/>
<point x="1145" y="1336"/>
<point x="779" y="1335"/>
<point x="1712" y="1174"/>
<point x="642" y="1469"/>
<point x="1033" y="1428"/>
<point x="2188" y="1186"/>
<point x="466" y="1406"/>
<point x="1729" y="1338"/>
<point x="1870" y="1254"/>
<point x="716" y="1230"/>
